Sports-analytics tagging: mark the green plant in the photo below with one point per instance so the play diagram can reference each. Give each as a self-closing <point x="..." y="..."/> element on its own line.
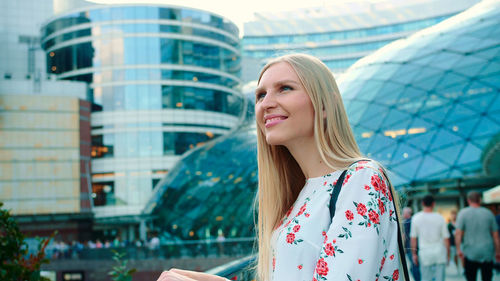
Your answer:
<point x="15" y="262"/>
<point x="120" y="271"/>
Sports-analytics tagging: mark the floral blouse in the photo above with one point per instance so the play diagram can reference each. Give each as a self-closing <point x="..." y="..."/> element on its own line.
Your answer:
<point x="360" y="242"/>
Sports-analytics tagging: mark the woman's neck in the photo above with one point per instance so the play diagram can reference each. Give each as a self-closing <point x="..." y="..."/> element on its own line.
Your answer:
<point x="307" y="156"/>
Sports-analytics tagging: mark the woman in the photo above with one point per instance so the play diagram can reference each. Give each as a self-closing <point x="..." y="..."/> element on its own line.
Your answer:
<point x="304" y="144"/>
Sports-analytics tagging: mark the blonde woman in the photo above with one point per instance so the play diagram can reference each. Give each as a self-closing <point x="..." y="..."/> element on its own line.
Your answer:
<point x="305" y="143"/>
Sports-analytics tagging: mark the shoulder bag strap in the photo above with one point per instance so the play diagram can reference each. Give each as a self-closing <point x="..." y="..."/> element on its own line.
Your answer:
<point x="333" y="202"/>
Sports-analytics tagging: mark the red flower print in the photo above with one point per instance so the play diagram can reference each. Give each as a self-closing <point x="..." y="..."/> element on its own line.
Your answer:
<point x="374" y="217"/>
<point x="302" y="209"/>
<point x="323" y="233"/>
<point x="329" y="249"/>
<point x="347" y="179"/>
<point x="307" y="215"/>
<point x="349" y="215"/>
<point x="324" y="183"/>
<point x="274" y="263"/>
<point x="289" y="211"/>
<point x="391" y="257"/>
<point x="381" y="206"/>
<point x="395" y="275"/>
<point x="322" y="267"/>
<point x="287" y="223"/>
<point x="334" y="241"/>
<point x="296" y="228"/>
<point x="299" y="267"/>
<point x="314" y="279"/>
<point x="360" y="261"/>
<point x="290" y="238"/>
<point x="361" y="208"/>
<point x="234" y="278"/>
<point x="367" y="187"/>
<point x="382" y="263"/>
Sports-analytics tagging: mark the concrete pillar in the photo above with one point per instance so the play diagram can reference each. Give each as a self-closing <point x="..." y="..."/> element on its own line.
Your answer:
<point x="131" y="233"/>
<point x="142" y="230"/>
<point x="415" y="205"/>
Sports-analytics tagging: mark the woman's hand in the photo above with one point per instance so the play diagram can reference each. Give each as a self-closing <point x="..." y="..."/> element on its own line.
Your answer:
<point x="187" y="275"/>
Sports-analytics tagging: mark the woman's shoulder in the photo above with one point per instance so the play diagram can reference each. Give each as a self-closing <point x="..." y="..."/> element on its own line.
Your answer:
<point x="367" y="165"/>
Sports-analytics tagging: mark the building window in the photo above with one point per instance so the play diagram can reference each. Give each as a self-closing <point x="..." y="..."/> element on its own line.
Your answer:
<point x="103" y="193"/>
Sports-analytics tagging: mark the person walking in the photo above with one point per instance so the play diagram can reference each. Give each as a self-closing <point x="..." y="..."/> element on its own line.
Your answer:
<point x="429" y="229"/>
<point x="476" y="239"/>
<point x="451" y="229"/>
<point x="407" y="214"/>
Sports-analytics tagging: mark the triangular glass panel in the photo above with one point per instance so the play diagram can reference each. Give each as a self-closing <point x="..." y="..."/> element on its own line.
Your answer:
<point x="374" y="121"/>
<point x="446" y="60"/>
<point x="384" y="155"/>
<point x="355" y="110"/>
<point x="407" y="73"/>
<point x="491" y="68"/>
<point x="449" y="154"/>
<point x="370" y="90"/>
<point x="486" y="127"/>
<point x="396" y="117"/>
<point x="444" y="138"/>
<point x="462" y="44"/>
<point x="468" y="70"/>
<point x="484" y="43"/>
<point x="421" y="141"/>
<point x="452" y="92"/>
<point x="470" y="153"/>
<point x="436" y="115"/>
<point x="479" y="101"/>
<point x="495" y="105"/>
<point x="451" y="78"/>
<point x="397" y="179"/>
<point x="405" y="152"/>
<point x="488" y="53"/>
<point x="426" y="59"/>
<point x="469" y="60"/>
<point x="363" y="144"/>
<point x="492" y="80"/>
<point x="389" y="93"/>
<point x="463" y="128"/>
<point x="408" y="168"/>
<point x="387" y="71"/>
<point x="411" y="99"/>
<point x="428" y="83"/>
<point x="380" y="142"/>
<point x="461" y="112"/>
<point x="430" y="165"/>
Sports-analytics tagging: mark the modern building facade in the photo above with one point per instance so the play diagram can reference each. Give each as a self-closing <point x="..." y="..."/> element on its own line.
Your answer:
<point x="163" y="80"/>
<point x="340" y="34"/>
<point x="427" y="107"/>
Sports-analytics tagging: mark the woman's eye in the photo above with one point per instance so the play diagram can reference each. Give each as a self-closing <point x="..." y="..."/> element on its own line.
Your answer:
<point x="286" y="88"/>
<point x="260" y="96"/>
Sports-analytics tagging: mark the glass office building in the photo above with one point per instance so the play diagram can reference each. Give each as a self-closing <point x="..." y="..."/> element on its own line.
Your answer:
<point x="163" y="80"/>
<point x="427" y="107"/>
<point x="342" y="33"/>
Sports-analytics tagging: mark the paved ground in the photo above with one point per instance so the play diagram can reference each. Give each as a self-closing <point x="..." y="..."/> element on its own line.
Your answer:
<point x="453" y="275"/>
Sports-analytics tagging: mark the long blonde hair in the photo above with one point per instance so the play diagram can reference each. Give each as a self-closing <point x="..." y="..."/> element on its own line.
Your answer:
<point x="280" y="177"/>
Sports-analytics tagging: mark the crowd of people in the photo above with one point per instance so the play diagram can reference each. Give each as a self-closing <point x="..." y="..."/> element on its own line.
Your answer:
<point x="470" y="240"/>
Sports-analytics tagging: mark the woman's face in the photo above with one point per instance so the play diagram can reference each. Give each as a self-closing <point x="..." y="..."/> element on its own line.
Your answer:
<point x="284" y="111"/>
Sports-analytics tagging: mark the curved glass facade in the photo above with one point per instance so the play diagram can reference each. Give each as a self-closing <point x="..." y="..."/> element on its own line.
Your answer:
<point x="428" y="106"/>
<point x="340" y="39"/>
<point x="163" y="80"/>
<point x="210" y="190"/>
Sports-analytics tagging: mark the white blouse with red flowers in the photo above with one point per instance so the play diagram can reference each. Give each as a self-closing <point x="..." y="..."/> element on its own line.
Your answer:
<point x="359" y="243"/>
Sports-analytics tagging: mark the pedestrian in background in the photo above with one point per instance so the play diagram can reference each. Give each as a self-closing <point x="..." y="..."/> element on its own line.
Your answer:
<point x="476" y="239"/>
<point x="451" y="229"/>
<point x="429" y="230"/>
<point x="407" y="214"/>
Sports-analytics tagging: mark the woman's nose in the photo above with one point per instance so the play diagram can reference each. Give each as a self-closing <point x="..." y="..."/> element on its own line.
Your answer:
<point x="269" y="101"/>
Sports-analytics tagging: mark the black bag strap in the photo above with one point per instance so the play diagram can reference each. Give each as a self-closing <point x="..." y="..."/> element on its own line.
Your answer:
<point x="333" y="203"/>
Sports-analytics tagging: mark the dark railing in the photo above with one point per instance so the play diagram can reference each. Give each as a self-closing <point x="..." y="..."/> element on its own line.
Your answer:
<point x="172" y="249"/>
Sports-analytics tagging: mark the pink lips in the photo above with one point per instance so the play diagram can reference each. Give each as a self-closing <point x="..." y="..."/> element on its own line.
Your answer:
<point x="272" y="120"/>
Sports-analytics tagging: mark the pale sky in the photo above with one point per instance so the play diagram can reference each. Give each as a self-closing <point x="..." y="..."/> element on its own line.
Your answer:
<point x="240" y="11"/>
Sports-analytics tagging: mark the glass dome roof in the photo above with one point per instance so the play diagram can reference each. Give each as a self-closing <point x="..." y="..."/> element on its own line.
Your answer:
<point x="427" y="106"/>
